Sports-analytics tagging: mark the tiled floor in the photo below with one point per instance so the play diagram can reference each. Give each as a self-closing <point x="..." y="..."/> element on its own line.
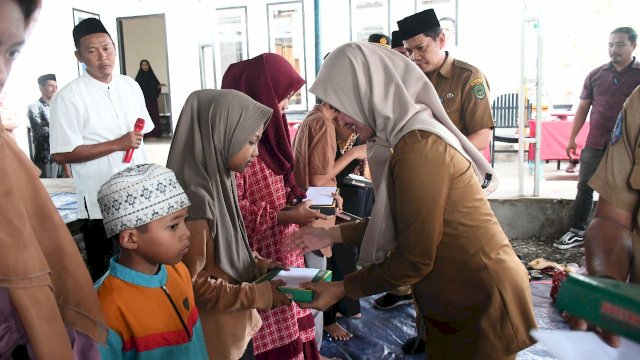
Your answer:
<point x="554" y="183"/>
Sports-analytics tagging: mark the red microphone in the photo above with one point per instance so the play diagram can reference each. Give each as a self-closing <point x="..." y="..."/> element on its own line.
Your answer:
<point x="137" y="127"/>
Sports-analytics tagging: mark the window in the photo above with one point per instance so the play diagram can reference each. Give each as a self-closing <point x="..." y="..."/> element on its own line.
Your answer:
<point x="286" y="38"/>
<point x="447" y="13"/>
<point x="79" y="15"/>
<point x="232" y="38"/>
<point x="369" y="17"/>
<point x="207" y="66"/>
<point x="443" y="8"/>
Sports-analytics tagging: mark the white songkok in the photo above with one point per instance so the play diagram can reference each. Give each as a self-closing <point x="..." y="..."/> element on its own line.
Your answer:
<point x="139" y="195"/>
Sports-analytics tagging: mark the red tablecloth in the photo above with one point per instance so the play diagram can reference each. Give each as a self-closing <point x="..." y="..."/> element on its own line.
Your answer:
<point x="554" y="137"/>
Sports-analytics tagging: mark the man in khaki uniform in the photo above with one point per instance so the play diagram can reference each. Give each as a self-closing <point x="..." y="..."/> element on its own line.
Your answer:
<point x="612" y="240"/>
<point x="462" y="88"/>
<point x="396" y="43"/>
<point x="463" y="91"/>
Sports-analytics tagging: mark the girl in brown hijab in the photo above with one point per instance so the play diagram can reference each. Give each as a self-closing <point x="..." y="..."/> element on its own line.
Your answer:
<point x="47" y="301"/>
<point x="264" y="191"/>
<point x="217" y="134"/>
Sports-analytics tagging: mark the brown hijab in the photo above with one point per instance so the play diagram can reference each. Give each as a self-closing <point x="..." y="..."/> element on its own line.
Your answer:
<point x="214" y="125"/>
<point x="40" y="265"/>
<point x="269" y="79"/>
<point x="383" y="90"/>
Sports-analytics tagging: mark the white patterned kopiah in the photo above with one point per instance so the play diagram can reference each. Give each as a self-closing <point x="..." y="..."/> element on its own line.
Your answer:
<point x="138" y="195"/>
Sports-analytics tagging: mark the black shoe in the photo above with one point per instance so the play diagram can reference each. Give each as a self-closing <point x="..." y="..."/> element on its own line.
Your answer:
<point x="414" y="345"/>
<point x="389" y="301"/>
<point x="570" y="239"/>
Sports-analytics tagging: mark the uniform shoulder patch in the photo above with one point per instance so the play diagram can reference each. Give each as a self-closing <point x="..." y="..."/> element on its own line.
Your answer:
<point x="617" y="129"/>
<point x="477" y="86"/>
<point x="477" y="81"/>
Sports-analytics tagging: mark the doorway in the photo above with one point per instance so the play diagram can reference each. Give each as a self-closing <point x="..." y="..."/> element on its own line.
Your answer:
<point x="145" y="37"/>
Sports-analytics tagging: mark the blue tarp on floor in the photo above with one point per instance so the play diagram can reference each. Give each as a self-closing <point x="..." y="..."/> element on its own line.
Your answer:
<point x="379" y="334"/>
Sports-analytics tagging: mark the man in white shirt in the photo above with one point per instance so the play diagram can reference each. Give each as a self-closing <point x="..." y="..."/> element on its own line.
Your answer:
<point x="91" y="125"/>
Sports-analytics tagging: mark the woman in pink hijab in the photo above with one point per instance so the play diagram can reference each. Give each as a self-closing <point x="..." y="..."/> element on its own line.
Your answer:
<point x="264" y="190"/>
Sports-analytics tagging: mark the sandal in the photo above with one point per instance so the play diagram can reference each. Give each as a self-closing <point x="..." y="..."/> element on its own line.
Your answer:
<point x="535" y="274"/>
<point x="540" y="263"/>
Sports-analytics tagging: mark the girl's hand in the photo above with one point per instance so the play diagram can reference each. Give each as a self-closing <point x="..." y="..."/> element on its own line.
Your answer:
<point x="308" y="239"/>
<point x="277" y="265"/>
<point x="301" y="215"/>
<point x="339" y="201"/>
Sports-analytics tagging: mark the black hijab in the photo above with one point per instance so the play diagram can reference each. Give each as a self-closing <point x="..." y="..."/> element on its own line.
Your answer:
<point x="148" y="82"/>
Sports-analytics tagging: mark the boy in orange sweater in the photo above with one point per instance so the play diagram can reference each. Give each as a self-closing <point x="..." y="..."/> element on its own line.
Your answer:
<point x="146" y="295"/>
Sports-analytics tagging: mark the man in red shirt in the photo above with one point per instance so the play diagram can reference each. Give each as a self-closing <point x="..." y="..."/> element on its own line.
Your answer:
<point x="604" y="92"/>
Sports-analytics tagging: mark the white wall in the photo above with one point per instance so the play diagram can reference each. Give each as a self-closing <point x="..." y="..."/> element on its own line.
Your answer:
<point x="575" y="39"/>
<point x="497" y="56"/>
<point x="258" y="35"/>
<point x="50" y="47"/>
<point x="490" y="42"/>
<point x="187" y="27"/>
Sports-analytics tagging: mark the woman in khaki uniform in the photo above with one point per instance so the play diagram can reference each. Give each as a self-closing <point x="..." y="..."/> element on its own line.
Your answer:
<point x="430" y="213"/>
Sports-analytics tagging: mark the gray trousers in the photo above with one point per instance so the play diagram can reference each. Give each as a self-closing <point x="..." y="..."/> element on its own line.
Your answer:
<point x="315" y="260"/>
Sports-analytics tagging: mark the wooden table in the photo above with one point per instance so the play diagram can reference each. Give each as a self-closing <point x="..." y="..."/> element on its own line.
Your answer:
<point x="59" y="185"/>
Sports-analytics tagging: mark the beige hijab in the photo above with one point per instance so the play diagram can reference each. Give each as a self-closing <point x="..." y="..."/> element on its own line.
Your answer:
<point x="40" y="265"/>
<point x="385" y="91"/>
<point x="213" y="126"/>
